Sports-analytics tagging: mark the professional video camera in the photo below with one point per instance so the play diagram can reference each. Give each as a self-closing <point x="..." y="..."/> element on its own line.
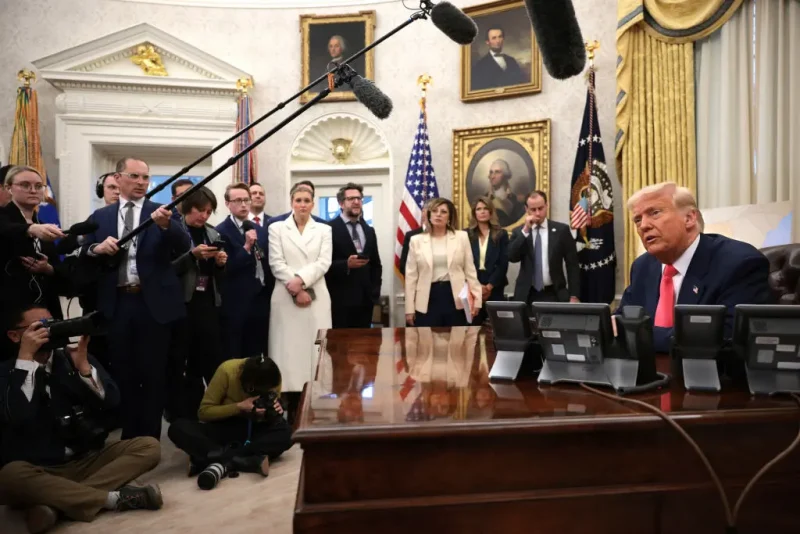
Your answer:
<point x="91" y="324"/>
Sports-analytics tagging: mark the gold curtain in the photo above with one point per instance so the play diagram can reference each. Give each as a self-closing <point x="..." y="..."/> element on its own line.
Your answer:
<point x="655" y="138"/>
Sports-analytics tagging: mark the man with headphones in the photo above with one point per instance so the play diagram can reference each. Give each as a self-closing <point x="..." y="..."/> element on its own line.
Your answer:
<point x="107" y="188"/>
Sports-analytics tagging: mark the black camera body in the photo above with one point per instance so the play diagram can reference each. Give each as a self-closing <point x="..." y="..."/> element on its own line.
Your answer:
<point x="267" y="403"/>
<point x="80" y="431"/>
<point x="91" y="324"/>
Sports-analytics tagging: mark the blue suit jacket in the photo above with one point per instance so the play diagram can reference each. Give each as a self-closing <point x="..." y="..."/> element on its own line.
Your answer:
<point x="161" y="288"/>
<point x="241" y="284"/>
<point x="722" y="271"/>
<point x="496" y="263"/>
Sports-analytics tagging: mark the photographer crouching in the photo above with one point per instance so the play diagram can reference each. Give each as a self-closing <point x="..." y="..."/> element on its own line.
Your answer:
<point x="52" y="447"/>
<point x="241" y="425"/>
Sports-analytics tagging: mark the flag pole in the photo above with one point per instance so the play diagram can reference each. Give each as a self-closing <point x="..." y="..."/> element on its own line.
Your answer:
<point x="423" y="81"/>
<point x="590" y="46"/>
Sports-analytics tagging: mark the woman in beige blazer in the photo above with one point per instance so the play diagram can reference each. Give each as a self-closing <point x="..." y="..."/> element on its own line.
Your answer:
<point x="439" y="264"/>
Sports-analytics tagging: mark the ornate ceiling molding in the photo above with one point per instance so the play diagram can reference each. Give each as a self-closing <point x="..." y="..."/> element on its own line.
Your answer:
<point x="316" y="142"/>
<point x="264" y="4"/>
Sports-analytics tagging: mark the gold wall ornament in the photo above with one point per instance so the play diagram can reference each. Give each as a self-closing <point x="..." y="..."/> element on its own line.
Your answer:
<point x="591" y="46"/>
<point x="341" y="149"/>
<point x="243" y="84"/>
<point x="149" y="60"/>
<point x="26" y="77"/>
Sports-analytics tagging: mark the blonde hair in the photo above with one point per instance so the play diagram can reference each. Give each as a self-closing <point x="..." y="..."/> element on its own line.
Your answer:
<point x="296" y="188"/>
<point x="682" y="197"/>
<point x="16" y="170"/>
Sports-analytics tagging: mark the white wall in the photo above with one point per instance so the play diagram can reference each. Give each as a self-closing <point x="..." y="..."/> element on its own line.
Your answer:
<point x="266" y="42"/>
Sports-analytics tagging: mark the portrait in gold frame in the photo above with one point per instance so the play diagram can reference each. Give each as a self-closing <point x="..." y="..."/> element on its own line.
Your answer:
<point x="482" y="77"/>
<point x="319" y="35"/>
<point x="519" y="155"/>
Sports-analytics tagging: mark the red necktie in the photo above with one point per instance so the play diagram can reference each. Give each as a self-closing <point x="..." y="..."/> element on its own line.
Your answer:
<point x="257" y="219"/>
<point x="666" y="298"/>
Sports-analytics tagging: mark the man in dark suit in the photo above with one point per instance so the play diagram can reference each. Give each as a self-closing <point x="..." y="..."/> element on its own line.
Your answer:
<point x="248" y="279"/>
<point x="354" y="277"/>
<point x="284" y="216"/>
<point x="496" y="69"/>
<point x="141" y="296"/>
<point x="683" y="266"/>
<point x="258" y="198"/>
<point x="544" y="247"/>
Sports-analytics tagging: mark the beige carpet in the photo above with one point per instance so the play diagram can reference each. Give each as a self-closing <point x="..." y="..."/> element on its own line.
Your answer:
<point x="245" y="504"/>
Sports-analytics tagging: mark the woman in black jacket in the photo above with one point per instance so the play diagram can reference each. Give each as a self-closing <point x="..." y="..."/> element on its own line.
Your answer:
<point x="490" y="251"/>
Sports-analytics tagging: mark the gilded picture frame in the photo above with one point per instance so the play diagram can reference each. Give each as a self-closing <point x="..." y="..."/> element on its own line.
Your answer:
<point x="319" y="35"/>
<point x="505" y="163"/>
<point x="503" y="30"/>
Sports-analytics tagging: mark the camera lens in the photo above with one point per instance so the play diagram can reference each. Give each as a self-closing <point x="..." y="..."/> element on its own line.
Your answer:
<point x="211" y="476"/>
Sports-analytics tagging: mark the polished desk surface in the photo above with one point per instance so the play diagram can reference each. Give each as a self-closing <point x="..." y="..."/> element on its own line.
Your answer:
<point x="403" y="430"/>
<point x="435" y="381"/>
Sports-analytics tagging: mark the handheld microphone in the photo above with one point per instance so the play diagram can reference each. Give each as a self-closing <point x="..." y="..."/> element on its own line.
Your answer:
<point x="250" y="225"/>
<point x="558" y="35"/>
<point x="82" y="228"/>
<point x="452" y="22"/>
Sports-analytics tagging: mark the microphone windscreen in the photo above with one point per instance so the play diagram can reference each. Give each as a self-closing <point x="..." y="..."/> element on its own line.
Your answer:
<point x="558" y="35"/>
<point x="373" y="98"/>
<point x="82" y="228"/>
<point x="248" y="225"/>
<point x="454" y="23"/>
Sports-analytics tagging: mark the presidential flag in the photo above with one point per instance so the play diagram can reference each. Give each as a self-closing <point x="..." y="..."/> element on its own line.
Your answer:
<point x="420" y="185"/>
<point x="592" y="209"/>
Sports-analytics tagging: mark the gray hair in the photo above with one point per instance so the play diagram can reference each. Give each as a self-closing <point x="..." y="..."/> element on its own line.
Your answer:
<point x="504" y="164"/>
<point x="341" y="40"/>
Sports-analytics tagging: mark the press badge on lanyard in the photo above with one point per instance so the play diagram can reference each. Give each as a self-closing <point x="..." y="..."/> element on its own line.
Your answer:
<point x="202" y="283"/>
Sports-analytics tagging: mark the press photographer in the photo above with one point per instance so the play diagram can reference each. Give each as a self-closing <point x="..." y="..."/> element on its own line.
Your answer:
<point x="52" y="447"/>
<point x="241" y="425"/>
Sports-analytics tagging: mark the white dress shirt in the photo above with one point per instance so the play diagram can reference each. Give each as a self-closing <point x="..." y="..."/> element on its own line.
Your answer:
<point x="261" y="218"/>
<point x="31" y="366"/>
<point x="682" y="265"/>
<point x="545" y="247"/>
<point x="500" y="60"/>
<point x="130" y="275"/>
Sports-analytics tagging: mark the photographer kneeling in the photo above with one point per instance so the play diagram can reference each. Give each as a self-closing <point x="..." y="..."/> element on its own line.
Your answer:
<point x="241" y="425"/>
<point x="52" y="447"/>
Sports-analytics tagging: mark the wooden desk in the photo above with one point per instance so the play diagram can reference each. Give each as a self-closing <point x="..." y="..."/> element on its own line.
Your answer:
<point x="402" y="432"/>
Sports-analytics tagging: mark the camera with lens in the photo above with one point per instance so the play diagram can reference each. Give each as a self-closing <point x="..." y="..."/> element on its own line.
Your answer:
<point x="80" y="431"/>
<point x="91" y="324"/>
<point x="267" y="402"/>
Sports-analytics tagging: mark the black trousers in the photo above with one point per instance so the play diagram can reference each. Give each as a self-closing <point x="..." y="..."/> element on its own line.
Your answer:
<point x="199" y="439"/>
<point x="139" y="350"/>
<point x="547" y="294"/>
<point x="442" y="309"/>
<point x="248" y="335"/>
<point x="359" y="316"/>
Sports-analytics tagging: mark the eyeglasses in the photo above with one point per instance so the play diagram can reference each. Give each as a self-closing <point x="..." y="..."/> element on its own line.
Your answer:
<point x="136" y="176"/>
<point x="29" y="186"/>
<point x="240" y="201"/>
<point x="353" y="199"/>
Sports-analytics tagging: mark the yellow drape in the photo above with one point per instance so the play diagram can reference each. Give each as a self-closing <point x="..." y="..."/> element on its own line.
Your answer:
<point x="655" y="138"/>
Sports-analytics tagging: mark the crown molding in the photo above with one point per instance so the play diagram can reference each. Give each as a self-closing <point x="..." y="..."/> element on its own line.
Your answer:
<point x="263" y="4"/>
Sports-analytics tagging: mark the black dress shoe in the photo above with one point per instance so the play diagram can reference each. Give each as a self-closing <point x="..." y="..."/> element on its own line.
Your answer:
<point x="251" y="464"/>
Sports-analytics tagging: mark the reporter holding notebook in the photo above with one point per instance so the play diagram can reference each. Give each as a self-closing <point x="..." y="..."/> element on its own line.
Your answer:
<point x="439" y="266"/>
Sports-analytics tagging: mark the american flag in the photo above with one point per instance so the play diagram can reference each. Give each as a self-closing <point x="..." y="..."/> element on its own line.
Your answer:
<point x="580" y="214"/>
<point x="420" y="186"/>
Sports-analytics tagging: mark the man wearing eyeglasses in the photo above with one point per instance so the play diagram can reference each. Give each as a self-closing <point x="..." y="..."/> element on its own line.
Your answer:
<point x="248" y="278"/>
<point x="354" y="278"/>
<point x="141" y="296"/>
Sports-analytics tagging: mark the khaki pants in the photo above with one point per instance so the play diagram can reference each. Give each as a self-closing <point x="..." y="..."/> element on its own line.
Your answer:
<point x="79" y="488"/>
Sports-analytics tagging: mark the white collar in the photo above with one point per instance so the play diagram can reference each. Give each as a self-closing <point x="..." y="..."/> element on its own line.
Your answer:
<point x="251" y="215"/>
<point x="236" y="221"/>
<point x="495" y="54"/>
<point x="136" y="203"/>
<point x="682" y="263"/>
<point x="543" y="225"/>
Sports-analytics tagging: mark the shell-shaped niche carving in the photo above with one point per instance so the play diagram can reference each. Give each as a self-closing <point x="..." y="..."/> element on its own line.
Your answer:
<point x="322" y="141"/>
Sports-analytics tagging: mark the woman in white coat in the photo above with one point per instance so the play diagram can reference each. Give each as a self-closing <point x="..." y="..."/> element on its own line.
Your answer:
<point x="299" y="256"/>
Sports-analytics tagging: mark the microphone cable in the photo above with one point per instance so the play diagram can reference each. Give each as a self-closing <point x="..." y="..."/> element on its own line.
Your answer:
<point x="730" y="515"/>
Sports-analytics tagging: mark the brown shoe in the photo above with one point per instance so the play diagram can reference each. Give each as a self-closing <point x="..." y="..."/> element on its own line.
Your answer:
<point x="40" y="518"/>
<point x="145" y="498"/>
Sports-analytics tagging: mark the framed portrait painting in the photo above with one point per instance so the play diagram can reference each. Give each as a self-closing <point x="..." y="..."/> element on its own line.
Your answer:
<point x="326" y="40"/>
<point x="504" y="59"/>
<point x="504" y="163"/>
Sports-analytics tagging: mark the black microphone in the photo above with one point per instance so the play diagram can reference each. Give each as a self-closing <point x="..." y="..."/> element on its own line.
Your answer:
<point x="453" y="22"/>
<point x="82" y="228"/>
<point x="250" y="225"/>
<point x="73" y="241"/>
<point x="373" y="98"/>
<point x="558" y="35"/>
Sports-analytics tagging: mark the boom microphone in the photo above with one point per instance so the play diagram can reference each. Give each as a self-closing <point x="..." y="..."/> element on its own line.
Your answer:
<point x="453" y="22"/>
<point x="558" y="35"/>
<point x="82" y="228"/>
<point x="373" y="98"/>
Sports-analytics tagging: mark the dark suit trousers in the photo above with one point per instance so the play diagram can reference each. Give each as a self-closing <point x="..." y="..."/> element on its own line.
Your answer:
<point x="139" y="349"/>
<point x="199" y="439"/>
<point x="496" y="295"/>
<point x="548" y="294"/>
<point x="359" y="316"/>
<point x="248" y="334"/>
<point x="442" y="309"/>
